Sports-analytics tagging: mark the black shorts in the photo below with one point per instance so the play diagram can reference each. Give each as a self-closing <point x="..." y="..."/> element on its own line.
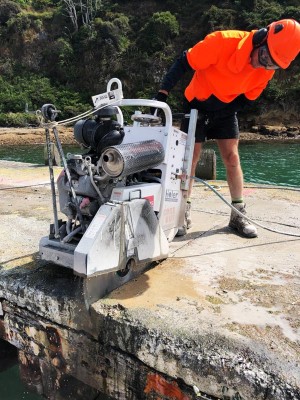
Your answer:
<point x="221" y="124"/>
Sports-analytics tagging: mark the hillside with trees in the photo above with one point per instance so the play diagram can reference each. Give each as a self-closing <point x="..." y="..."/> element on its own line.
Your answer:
<point x="65" y="51"/>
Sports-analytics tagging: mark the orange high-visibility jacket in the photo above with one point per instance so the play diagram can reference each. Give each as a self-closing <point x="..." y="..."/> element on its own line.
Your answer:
<point x="222" y="67"/>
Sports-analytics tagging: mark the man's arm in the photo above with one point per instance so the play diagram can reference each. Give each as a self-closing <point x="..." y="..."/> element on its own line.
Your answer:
<point x="203" y="54"/>
<point x="175" y="73"/>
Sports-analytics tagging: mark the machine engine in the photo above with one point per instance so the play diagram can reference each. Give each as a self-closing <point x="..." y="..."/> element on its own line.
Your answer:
<point x="104" y="166"/>
<point x="91" y="185"/>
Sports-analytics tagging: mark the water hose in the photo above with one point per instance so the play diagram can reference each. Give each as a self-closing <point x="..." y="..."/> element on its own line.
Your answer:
<point x="241" y="214"/>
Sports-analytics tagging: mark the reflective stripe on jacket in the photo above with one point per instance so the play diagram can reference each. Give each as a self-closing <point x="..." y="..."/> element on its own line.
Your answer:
<point x="222" y="67"/>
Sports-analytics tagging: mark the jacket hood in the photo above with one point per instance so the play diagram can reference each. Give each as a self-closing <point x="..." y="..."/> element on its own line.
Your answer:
<point x="241" y="57"/>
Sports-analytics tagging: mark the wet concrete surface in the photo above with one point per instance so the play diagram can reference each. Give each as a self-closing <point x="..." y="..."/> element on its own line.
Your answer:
<point x="221" y="313"/>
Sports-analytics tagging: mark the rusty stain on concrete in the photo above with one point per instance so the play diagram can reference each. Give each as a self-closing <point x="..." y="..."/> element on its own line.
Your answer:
<point x="157" y="385"/>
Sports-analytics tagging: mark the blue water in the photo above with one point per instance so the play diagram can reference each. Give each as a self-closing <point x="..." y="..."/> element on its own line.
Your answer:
<point x="263" y="163"/>
<point x="12" y="388"/>
<point x="31" y="154"/>
<point x="266" y="163"/>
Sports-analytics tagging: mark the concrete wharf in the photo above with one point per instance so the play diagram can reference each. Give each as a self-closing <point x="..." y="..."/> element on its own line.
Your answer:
<point x="218" y="319"/>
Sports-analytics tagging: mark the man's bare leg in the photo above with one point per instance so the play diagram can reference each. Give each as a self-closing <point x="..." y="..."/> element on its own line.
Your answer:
<point x="231" y="159"/>
<point x="230" y="156"/>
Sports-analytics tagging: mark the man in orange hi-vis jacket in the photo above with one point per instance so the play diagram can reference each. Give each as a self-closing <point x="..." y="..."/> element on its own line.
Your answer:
<point x="231" y="69"/>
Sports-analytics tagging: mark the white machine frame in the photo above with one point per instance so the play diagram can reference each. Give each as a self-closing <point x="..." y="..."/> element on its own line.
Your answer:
<point x="135" y="240"/>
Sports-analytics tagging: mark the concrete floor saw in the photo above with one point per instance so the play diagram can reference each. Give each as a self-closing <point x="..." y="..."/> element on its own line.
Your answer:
<point x="124" y="198"/>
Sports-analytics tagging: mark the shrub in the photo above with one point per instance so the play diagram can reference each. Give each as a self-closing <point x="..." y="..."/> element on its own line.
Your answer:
<point x="216" y="18"/>
<point x="19" y="23"/>
<point x="17" y="120"/>
<point x="8" y="9"/>
<point x="41" y="4"/>
<point x="114" y="31"/>
<point x="161" y="28"/>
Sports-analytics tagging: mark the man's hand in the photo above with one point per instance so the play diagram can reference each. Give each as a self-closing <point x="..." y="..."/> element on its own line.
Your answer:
<point x="162" y="95"/>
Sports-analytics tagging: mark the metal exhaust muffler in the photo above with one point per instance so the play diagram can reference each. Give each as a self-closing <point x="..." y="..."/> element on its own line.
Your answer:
<point x="126" y="159"/>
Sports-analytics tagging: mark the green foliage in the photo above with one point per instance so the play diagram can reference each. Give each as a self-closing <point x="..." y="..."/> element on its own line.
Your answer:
<point x="18" y="120"/>
<point x="262" y="14"/>
<point x="23" y="2"/>
<point x="25" y="20"/>
<point x="114" y="31"/>
<point x="161" y="28"/>
<point x="43" y="59"/>
<point x="284" y="90"/>
<point x="41" y="4"/>
<point x="8" y="9"/>
<point x="291" y="12"/>
<point x="19" y="23"/>
<point x="64" y="51"/>
<point x="34" y="91"/>
<point x="216" y="18"/>
<point x="70" y="103"/>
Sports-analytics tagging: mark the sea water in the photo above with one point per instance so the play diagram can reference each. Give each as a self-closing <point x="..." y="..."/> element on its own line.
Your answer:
<point x="262" y="163"/>
<point x="266" y="163"/>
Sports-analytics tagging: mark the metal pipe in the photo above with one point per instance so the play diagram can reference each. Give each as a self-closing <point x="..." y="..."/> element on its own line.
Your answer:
<point x="52" y="183"/>
<point x="67" y="238"/>
<point x="189" y="150"/>
<point x="62" y="156"/>
<point x="89" y="167"/>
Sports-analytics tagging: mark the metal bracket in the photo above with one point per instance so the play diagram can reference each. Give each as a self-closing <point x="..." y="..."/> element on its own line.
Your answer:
<point x="189" y="150"/>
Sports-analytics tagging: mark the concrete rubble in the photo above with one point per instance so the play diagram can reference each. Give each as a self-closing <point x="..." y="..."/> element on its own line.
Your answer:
<point x="218" y="319"/>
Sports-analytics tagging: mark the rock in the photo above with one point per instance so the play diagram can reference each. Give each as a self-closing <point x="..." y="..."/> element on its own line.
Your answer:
<point x="292" y="134"/>
<point x="293" y="129"/>
<point x="272" y="130"/>
<point x="254" y="129"/>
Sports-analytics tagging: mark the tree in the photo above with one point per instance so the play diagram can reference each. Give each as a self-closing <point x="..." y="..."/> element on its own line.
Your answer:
<point x="82" y="12"/>
<point x="161" y="28"/>
<point x="8" y="9"/>
<point x="72" y="12"/>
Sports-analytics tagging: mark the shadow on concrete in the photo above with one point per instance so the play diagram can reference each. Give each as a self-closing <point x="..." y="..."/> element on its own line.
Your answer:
<point x="197" y="234"/>
<point x="234" y="248"/>
<point x="34" y="256"/>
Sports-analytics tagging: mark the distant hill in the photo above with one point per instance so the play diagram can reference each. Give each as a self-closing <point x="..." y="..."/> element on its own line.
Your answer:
<point x="65" y="51"/>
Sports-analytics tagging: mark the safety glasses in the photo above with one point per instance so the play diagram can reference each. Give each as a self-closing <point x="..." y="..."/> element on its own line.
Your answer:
<point x="265" y="59"/>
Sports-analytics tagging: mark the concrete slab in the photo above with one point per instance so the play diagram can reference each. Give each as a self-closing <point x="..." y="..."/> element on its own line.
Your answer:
<point x="25" y="207"/>
<point x="220" y="315"/>
<point x="238" y="296"/>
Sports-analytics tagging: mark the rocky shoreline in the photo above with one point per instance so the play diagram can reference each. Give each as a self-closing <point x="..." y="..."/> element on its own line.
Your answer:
<point x="28" y="136"/>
